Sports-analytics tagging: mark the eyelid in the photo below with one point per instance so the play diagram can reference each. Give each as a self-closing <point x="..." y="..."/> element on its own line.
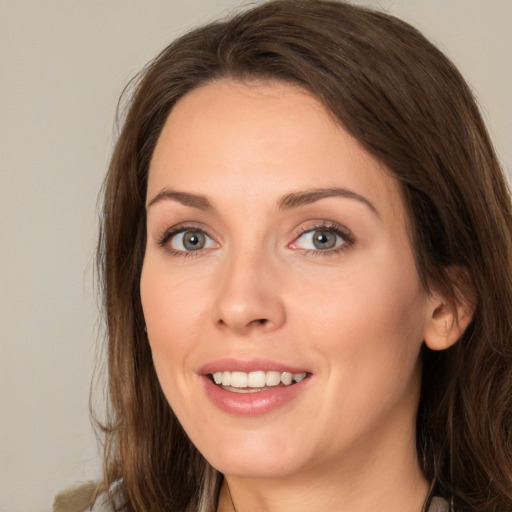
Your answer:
<point x="164" y="239"/>
<point x="179" y="239"/>
<point x="342" y="232"/>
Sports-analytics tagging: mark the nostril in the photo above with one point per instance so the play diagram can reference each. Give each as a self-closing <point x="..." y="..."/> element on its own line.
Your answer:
<point x="258" y="322"/>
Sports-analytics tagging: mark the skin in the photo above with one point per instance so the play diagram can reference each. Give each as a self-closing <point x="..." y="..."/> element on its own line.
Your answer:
<point x="354" y="316"/>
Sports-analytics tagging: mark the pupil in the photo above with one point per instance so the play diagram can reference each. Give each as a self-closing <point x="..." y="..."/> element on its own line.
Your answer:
<point x="193" y="240"/>
<point x="324" y="240"/>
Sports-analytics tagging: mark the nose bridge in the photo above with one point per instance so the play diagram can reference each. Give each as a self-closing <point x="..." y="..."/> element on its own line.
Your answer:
<point x="248" y="295"/>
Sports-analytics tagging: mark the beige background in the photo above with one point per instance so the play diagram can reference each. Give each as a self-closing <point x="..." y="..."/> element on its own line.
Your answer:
<point x="63" y="65"/>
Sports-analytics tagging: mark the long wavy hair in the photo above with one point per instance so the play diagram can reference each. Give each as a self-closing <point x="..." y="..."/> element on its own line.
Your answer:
<point x="409" y="107"/>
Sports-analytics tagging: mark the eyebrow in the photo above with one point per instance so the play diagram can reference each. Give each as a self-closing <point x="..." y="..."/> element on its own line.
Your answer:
<point x="289" y="201"/>
<point x="185" y="198"/>
<point x="301" y="198"/>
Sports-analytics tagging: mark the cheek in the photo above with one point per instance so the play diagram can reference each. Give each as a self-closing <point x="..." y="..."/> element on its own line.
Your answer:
<point x="172" y="312"/>
<point x="368" y="287"/>
<point x="368" y="335"/>
<point x="171" y="302"/>
<point x="370" y="323"/>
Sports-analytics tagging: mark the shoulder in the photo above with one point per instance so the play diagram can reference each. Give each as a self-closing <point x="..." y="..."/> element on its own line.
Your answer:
<point x="82" y="498"/>
<point x="76" y="498"/>
<point x="439" y="505"/>
<point x="101" y="504"/>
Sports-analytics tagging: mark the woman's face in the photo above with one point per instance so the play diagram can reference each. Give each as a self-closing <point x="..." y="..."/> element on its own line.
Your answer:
<point x="277" y="252"/>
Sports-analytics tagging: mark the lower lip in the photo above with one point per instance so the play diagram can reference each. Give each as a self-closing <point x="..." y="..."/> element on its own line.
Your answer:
<point x="252" y="404"/>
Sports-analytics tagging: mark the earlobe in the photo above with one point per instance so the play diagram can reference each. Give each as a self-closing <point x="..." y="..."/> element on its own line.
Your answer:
<point x="447" y="323"/>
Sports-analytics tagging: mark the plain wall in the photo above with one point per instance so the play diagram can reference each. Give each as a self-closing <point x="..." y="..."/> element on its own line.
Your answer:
<point x="63" y="65"/>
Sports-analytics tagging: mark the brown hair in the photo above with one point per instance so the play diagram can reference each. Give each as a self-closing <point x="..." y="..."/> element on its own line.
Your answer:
<point x="405" y="102"/>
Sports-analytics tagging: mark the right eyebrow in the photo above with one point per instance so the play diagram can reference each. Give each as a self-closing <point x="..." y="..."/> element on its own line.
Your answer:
<point x="185" y="198"/>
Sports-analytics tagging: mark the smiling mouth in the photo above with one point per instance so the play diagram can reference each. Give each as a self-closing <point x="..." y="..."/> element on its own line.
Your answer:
<point x="253" y="382"/>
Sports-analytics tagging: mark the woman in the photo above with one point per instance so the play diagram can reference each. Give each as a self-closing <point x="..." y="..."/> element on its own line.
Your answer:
<point x="306" y="258"/>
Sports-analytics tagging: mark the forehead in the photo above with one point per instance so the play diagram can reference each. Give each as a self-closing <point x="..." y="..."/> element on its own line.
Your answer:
<point x="262" y="138"/>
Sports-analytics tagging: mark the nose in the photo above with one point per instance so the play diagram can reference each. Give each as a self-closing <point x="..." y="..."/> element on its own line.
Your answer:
<point x="248" y="296"/>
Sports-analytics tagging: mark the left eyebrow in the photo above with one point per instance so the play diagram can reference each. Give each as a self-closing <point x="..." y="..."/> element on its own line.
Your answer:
<point x="301" y="198"/>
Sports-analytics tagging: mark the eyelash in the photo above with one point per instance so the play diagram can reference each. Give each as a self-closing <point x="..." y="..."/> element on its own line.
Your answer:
<point x="331" y="227"/>
<point x="163" y="241"/>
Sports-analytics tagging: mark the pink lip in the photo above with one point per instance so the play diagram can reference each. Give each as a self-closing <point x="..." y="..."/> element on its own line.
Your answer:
<point x="252" y="365"/>
<point x="250" y="404"/>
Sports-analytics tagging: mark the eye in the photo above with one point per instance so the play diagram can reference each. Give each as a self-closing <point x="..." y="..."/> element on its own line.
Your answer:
<point x="321" y="239"/>
<point x="190" y="240"/>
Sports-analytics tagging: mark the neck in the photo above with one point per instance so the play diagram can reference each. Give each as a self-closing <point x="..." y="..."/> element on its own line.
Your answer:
<point x="403" y="496"/>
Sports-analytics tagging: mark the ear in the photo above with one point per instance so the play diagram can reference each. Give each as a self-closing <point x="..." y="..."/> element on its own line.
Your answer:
<point x="446" y="322"/>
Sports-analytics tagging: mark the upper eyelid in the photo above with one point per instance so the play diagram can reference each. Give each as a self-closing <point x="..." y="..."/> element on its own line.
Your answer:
<point x="168" y="233"/>
<point x="165" y="240"/>
<point x="186" y="226"/>
<point x="181" y="236"/>
<point x="180" y="227"/>
<point x="326" y="226"/>
<point x="343" y="232"/>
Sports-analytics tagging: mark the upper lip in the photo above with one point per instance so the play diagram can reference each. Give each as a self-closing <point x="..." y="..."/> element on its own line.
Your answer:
<point x="247" y="366"/>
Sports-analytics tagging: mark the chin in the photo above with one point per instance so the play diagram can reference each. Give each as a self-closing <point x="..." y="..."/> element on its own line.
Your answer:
<point x="265" y="468"/>
<point x="253" y="457"/>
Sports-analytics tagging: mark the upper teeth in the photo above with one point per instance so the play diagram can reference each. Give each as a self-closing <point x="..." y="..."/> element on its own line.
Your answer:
<point x="258" y="379"/>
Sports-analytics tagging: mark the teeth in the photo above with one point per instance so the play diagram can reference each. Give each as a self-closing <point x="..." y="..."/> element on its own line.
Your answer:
<point x="272" y="378"/>
<point x="238" y="380"/>
<point x="257" y="379"/>
<point x="286" y="378"/>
